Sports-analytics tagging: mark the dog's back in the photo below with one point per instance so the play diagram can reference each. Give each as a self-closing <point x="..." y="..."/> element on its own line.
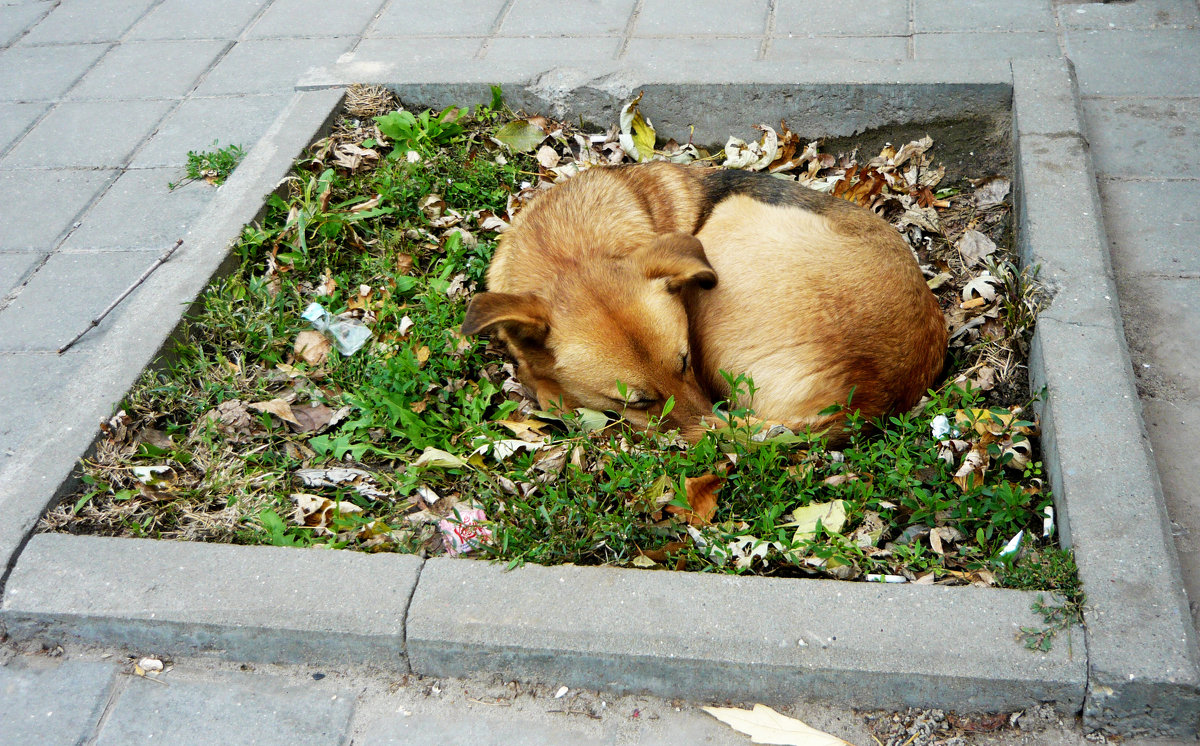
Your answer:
<point x="815" y="297"/>
<point x="600" y="279"/>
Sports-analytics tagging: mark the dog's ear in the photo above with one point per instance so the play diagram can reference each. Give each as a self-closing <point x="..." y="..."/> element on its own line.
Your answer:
<point x="678" y="257"/>
<point x="524" y="317"/>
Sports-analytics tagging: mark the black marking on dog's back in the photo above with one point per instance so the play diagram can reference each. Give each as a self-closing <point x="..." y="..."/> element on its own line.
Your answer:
<point x="725" y="183"/>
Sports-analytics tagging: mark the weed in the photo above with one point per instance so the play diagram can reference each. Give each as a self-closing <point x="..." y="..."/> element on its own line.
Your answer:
<point x="214" y="166"/>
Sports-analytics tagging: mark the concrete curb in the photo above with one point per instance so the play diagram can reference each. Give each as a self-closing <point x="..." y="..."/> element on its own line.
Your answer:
<point x="264" y="604"/>
<point x="1143" y="675"/>
<point x="716" y="638"/>
<point x="1141" y="667"/>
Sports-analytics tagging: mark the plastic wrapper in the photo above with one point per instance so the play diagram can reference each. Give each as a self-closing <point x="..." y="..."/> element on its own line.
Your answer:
<point x="348" y="334"/>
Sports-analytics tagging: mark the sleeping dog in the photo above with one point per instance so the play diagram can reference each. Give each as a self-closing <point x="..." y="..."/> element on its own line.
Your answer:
<point x="625" y="286"/>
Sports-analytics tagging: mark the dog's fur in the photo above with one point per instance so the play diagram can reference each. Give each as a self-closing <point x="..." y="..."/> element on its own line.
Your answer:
<point x="661" y="276"/>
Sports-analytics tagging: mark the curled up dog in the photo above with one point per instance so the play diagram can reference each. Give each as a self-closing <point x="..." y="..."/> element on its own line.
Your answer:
<point x="660" y="277"/>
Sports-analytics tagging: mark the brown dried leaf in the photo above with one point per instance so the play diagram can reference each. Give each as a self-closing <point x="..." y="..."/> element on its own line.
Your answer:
<point x="974" y="247"/>
<point x="311" y="419"/>
<point x="702" y="499"/>
<point x="277" y="407"/>
<point x="312" y="347"/>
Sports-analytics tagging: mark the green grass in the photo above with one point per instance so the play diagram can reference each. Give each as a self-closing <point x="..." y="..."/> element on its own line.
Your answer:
<point x="595" y="492"/>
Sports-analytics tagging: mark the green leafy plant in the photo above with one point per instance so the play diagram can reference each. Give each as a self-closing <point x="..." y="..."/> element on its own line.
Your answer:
<point x="420" y="132"/>
<point x="213" y="166"/>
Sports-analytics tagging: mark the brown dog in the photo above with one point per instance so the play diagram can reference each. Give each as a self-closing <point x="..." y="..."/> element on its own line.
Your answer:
<point x="660" y="276"/>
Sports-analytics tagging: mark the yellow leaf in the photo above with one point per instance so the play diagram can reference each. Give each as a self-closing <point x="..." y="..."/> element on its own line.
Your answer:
<point x="438" y="459"/>
<point x="637" y="134"/>
<point x="985" y="420"/>
<point x="279" y="408"/>
<point x="831" y="516"/>
<point x="767" y="726"/>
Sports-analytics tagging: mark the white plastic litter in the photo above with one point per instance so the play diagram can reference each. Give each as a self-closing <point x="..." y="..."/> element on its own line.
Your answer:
<point x="348" y="334"/>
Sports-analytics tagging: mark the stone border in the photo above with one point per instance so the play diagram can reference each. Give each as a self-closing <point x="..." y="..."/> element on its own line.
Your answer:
<point x="1142" y="654"/>
<point x="680" y="635"/>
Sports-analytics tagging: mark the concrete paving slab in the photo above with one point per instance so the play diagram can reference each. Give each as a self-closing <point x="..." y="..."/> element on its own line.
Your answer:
<point x="1145" y="137"/>
<point x="552" y="18"/>
<point x="44" y="73"/>
<point x="88" y="134"/>
<point x="56" y="197"/>
<point x="1142" y="657"/>
<point x="140" y="212"/>
<point x="45" y="701"/>
<point x="67" y="292"/>
<point x="982" y="15"/>
<point x="15" y="268"/>
<point x="454" y="18"/>
<point x="15" y="119"/>
<point x="422" y="52"/>
<point x="148" y="69"/>
<point x="203" y="124"/>
<point x="1144" y="14"/>
<point x="187" y="19"/>
<point x="269" y="604"/>
<point x="114" y="354"/>
<point x="31" y="381"/>
<point x="1153" y="226"/>
<point x="16" y="19"/>
<point x="704" y="637"/>
<point x="950" y="46"/>
<point x="269" y="65"/>
<point x="803" y="47"/>
<point x="227" y="710"/>
<point x="87" y="21"/>
<point x="1174" y="430"/>
<point x="1162" y="332"/>
<point x="737" y="17"/>
<point x="312" y="18"/>
<point x="649" y="53"/>
<point x="1130" y="63"/>
<point x="474" y="728"/>
<point x="575" y="49"/>
<point x="845" y="18"/>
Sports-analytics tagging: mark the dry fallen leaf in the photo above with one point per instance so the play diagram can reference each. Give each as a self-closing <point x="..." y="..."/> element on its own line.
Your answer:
<point x="991" y="192"/>
<point x="974" y="246"/>
<point x="983" y="286"/>
<point x="359" y="479"/>
<point x="701" y="497"/>
<point x="312" y="347"/>
<point x="831" y="516"/>
<point x="312" y="418"/>
<point x="767" y="726"/>
<point x="279" y="408"/>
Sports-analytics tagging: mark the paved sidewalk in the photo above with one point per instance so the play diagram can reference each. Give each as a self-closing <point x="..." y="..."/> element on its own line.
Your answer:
<point x="100" y="101"/>
<point x="89" y="695"/>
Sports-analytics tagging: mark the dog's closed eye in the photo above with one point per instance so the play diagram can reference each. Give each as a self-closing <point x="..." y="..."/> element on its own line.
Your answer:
<point x="636" y="400"/>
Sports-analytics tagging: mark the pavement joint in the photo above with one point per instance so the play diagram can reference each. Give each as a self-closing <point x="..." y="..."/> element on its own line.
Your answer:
<point x="119" y="685"/>
<point x="630" y="28"/>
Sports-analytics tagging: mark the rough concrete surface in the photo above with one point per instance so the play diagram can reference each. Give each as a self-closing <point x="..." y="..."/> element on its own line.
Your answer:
<point x="392" y="708"/>
<point x="248" y="603"/>
<point x="90" y="90"/>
